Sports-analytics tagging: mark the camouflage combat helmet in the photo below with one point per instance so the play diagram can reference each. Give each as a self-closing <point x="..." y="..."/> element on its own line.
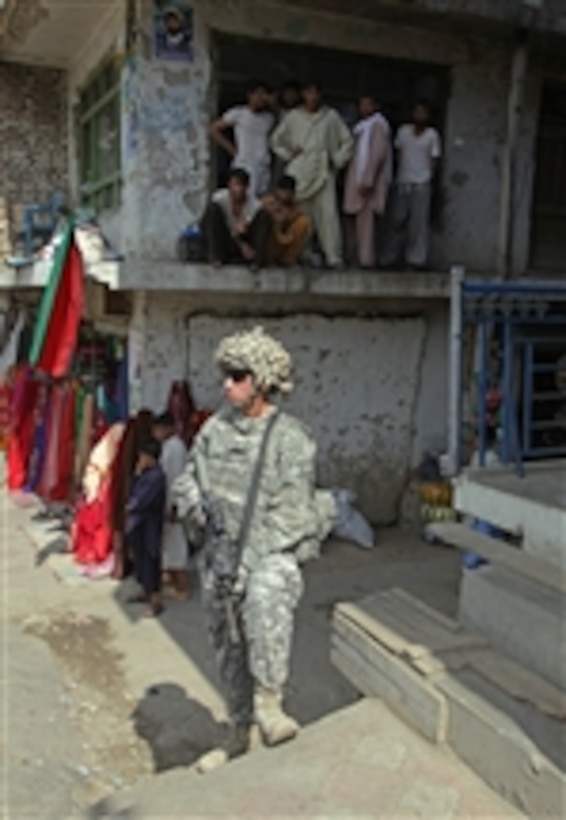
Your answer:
<point x="261" y="355"/>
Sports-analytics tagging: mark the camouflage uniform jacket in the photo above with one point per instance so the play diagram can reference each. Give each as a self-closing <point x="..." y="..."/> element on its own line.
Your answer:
<point x="290" y="515"/>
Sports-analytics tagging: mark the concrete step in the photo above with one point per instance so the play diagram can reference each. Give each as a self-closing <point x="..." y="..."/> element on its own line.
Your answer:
<point x="532" y="506"/>
<point x="359" y="762"/>
<point x="504" y="721"/>
<point x="518" y="615"/>
<point x="517" y="750"/>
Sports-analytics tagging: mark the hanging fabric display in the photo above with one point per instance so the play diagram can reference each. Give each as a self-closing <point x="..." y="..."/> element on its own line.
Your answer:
<point x="57" y="328"/>
<point x="61" y="249"/>
<point x="22" y="427"/>
<point x="182" y="407"/>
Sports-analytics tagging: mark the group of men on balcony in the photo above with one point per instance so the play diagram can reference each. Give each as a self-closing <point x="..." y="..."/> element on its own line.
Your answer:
<point x="303" y="145"/>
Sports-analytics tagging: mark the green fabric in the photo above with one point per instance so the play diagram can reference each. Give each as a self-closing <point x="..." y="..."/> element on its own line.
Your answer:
<point x="50" y="293"/>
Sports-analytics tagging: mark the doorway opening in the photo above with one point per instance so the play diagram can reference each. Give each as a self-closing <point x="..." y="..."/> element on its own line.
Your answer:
<point x="548" y="237"/>
<point x="343" y="76"/>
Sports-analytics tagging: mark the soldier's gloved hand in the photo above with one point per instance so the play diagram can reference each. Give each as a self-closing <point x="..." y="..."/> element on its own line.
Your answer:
<point x="241" y="581"/>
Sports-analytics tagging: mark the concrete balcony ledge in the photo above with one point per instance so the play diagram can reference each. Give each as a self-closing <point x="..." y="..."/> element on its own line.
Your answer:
<point x="234" y="279"/>
<point x="297" y="285"/>
<point x="35" y="275"/>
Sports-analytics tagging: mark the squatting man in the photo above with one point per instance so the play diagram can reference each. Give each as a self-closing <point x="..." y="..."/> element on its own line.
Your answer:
<point x="252" y="448"/>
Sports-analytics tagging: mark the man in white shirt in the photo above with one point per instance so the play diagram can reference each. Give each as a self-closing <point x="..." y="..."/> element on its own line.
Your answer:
<point x="236" y="228"/>
<point x="175" y="555"/>
<point x="252" y="125"/>
<point x="418" y="147"/>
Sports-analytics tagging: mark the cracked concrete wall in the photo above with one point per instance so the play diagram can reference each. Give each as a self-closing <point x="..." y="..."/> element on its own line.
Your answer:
<point x="372" y="389"/>
<point x="164" y="144"/>
<point x="165" y="154"/>
<point x="33" y="136"/>
<point x="474" y="136"/>
<point x="474" y="140"/>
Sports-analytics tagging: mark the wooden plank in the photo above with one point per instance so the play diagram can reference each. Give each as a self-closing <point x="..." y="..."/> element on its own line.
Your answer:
<point x="420" y="606"/>
<point x="501" y="752"/>
<point x="432" y="665"/>
<point x="504" y="673"/>
<point x="352" y="614"/>
<point x="381" y="610"/>
<point x="497" y="552"/>
<point x="355" y="669"/>
<point x="430" y="635"/>
<point x="429" y="632"/>
<point x="465" y="640"/>
<point x="520" y="683"/>
<point x="385" y="628"/>
<point x="377" y="673"/>
<point x="345" y="629"/>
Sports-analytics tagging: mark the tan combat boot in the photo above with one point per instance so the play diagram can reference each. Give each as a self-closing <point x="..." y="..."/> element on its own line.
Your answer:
<point x="275" y="726"/>
<point x="237" y="743"/>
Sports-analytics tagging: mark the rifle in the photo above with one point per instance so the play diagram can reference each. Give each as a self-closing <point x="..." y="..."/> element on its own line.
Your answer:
<point x="222" y="554"/>
<point x="220" y="557"/>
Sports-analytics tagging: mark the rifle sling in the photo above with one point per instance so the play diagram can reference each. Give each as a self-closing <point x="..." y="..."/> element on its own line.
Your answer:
<point x="251" y="500"/>
<point x="254" y="487"/>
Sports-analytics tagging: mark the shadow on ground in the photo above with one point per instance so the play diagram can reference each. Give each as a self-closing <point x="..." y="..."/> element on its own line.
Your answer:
<point x="59" y="546"/>
<point x="105" y="809"/>
<point x="177" y="728"/>
<point x="344" y="573"/>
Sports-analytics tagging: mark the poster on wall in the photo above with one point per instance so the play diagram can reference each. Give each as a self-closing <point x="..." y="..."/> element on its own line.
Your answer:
<point x="173" y="30"/>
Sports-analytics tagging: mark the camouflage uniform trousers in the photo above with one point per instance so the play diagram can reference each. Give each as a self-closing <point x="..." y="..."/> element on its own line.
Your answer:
<point x="264" y="618"/>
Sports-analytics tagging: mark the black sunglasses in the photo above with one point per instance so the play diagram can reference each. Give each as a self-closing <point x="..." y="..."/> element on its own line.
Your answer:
<point x="237" y="376"/>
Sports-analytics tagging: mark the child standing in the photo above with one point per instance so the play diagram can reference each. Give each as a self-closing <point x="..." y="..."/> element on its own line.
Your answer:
<point x="145" y="520"/>
<point x="175" y="547"/>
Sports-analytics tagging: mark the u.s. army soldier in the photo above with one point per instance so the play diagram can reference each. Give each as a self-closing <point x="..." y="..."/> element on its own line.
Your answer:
<point x="251" y="617"/>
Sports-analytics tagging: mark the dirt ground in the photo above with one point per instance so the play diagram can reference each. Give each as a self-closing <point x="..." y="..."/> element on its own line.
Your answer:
<point x="98" y="699"/>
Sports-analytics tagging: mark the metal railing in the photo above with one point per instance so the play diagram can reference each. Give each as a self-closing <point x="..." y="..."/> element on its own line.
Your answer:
<point x="525" y="321"/>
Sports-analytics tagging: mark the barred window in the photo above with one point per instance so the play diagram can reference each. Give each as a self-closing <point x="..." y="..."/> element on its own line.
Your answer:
<point x="99" y="139"/>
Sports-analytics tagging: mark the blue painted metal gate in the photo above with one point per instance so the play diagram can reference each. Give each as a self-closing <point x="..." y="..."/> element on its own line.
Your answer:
<point x="524" y="321"/>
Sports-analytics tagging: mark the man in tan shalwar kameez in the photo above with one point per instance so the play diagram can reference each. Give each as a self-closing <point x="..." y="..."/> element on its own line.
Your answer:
<point x="368" y="179"/>
<point x="315" y="143"/>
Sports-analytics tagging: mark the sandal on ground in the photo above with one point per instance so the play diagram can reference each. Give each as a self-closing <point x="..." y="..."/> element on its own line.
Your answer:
<point x="154" y="612"/>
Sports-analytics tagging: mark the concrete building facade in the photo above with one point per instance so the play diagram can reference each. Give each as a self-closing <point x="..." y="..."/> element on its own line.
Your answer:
<point x="371" y="349"/>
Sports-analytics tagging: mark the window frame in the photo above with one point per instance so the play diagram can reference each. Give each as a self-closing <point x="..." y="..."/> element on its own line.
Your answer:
<point x="100" y="93"/>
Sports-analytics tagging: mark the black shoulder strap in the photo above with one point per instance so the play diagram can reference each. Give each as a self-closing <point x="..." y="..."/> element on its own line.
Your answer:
<point x="254" y="486"/>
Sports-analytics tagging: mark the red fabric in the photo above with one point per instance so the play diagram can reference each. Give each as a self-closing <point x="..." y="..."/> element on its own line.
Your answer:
<point x="197" y="421"/>
<point x="61" y="338"/>
<point x="61" y="488"/>
<point x="181" y="406"/>
<point x="91" y="534"/>
<point x="50" y="412"/>
<point x="22" y="426"/>
<point x="5" y="404"/>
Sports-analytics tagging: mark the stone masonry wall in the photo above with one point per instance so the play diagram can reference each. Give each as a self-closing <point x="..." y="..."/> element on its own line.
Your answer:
<point x="33" y="138"/>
